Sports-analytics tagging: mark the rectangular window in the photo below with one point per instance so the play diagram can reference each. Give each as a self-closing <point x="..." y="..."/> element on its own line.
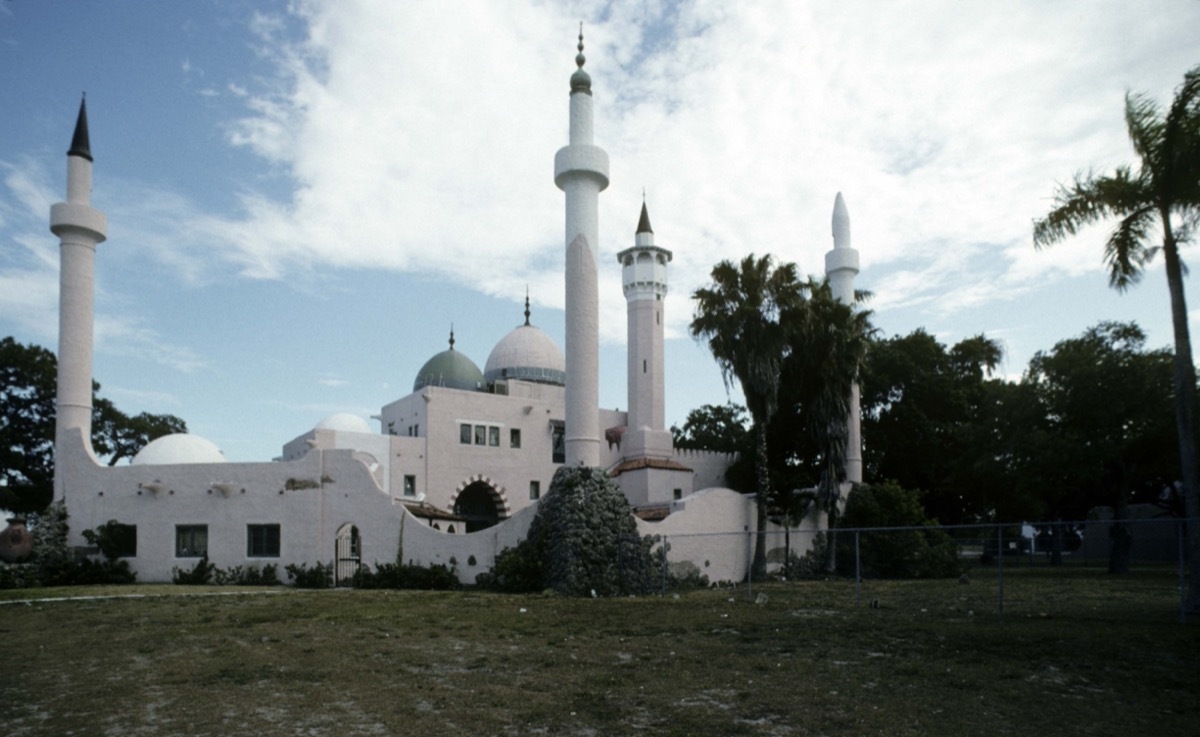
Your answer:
<point x="481" y="434"/>
<point x="558" y="442"/>
<point x="514" y="438"/>
<point x="262" y="541"/>
<point x="535" y="490"/>
<point x="494" y="436"/>
<point x="410" y="486"/>
<point x="122" y="539"/>
<point x="191" y="541"/>
<point x="679" y="493"/>
<point x="464" y="434"/>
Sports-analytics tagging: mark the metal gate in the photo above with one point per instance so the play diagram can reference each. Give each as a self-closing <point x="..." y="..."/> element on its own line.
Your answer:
<point x="347" y="555"/>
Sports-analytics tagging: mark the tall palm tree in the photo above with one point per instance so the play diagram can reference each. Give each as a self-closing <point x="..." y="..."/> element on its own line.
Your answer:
<point x="1163" y="190"/>
<point x="745" y="316"/>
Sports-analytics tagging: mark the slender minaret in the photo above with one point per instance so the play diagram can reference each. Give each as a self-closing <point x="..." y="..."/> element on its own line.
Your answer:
<point x="79" y="227"/>
<point x="841" y="266"/>
<point x="644" y="279"/>
<point x="581" y="171"/>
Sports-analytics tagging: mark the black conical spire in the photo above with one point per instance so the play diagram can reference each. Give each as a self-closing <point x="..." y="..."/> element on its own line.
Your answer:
<point x="79" y="142"/>
<point x="644" y="220"/>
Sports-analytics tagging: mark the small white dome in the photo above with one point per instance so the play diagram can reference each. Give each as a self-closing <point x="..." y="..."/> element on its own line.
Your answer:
<point x="529" y="354"/>
<point x="178" y="448"/>
<point x="343" y="422"/>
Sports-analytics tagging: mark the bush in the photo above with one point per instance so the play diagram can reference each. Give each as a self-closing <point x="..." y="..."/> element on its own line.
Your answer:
<point x="201" y="574"/>
<point x="53" y="563"/>
<point x="247" y="576"/>
<point x="927" y="553"/>
<point x="583" y="542"/>
<point x="400" y="576"/>
<point x="320" y="576"/>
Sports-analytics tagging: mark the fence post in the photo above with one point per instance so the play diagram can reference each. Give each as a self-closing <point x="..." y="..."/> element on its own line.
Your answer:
<point x="857" y="571"/>
<point x="1000" y="571"/>
<point x="665" y="549"/>
<point x="749" y="563"/>
<point x="1182" y="581"/>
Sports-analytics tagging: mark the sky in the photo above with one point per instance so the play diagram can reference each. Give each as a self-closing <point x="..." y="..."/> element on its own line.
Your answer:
<point x="304" y="197"/>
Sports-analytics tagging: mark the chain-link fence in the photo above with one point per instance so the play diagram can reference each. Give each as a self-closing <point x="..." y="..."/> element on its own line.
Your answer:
<point x="1009" y="560"/>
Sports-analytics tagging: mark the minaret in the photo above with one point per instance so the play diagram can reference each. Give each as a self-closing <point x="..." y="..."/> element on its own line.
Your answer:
<point x="79" y="227"/>
<point x="841" y="266"/>
<point x="581" y="171"/>
<point x="644" y="279"/>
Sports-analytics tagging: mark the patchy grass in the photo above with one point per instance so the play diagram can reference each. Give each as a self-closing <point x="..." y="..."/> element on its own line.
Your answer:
<point x="1080" y="653"/>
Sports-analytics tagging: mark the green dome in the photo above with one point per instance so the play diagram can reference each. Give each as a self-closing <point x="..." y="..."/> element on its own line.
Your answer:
<point x="449" y="369"/>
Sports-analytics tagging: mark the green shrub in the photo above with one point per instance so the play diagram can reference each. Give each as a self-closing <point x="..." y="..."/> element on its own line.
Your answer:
<point x="583" y="542"/>
<point x="201" y="574"/>
<point x="320" y="576"/>
<point x="920" y="553"/>
<point x="247" y="576"/>
<point x="53" y="563"/>
<point x="401" y="576"/>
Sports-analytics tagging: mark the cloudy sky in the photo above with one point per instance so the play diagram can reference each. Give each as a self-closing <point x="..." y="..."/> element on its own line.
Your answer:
<point x="303" y="197"/>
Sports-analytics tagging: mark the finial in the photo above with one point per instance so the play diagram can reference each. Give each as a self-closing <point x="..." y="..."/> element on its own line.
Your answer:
<point x="580" y="81"/>
<point x="526" y="305"/>
<point x="644" y="221"/>
<point x="451" y="336"/>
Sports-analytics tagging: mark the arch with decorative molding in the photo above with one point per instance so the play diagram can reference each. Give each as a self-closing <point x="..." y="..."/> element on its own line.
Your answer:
<point x="481" y="501"/>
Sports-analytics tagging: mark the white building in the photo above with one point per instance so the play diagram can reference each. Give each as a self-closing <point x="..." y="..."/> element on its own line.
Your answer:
<point x="455" y="473"/>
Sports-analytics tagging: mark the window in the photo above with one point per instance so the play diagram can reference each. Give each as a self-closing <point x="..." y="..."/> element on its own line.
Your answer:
<point x="410" y="486"/>
<point x="191" y="541"/>
<point x="514" y="438"/>
<point x="535" y="490"/>
<point x="494" y="437"/>
<point x="262" y="541"/>
<point x="464" y="434"/>
<point x="558" y="444"/>
<point x="122" y="540"/>
<point x="679" y="493"/>
<point x="481" y="434"/>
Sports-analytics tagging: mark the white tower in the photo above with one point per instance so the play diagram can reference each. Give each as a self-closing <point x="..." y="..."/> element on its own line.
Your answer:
<point x="644" y="279"/>
<point x="581" y="171"/>
<point x="79" y="227"/>
<point x="841" y="266"/>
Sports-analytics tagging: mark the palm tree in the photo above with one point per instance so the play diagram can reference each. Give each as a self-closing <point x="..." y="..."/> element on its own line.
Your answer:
<point x="1166" y="185"/>
<point x="745" y="316"/>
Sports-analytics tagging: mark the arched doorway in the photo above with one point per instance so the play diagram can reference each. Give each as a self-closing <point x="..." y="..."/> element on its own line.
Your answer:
<point x="347" y="554"/>
<point x="479" y="505"/>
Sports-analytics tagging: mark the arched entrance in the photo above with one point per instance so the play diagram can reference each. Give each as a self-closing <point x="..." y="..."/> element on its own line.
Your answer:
<point x="347" y="554"/>
<point x="479" y="505"/>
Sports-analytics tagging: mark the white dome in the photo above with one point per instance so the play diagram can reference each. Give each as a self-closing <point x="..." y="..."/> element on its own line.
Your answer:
<point x="178" y="448"/>
<point x="343" y="422"/>
<point x="529" y="354"/>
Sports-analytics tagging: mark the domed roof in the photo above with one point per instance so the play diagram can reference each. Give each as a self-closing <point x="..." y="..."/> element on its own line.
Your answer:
<point x="449" y="369"/>
<point x="527" y="354"/>
<point x="343" y="422"/>
<point x="178" y="448"/>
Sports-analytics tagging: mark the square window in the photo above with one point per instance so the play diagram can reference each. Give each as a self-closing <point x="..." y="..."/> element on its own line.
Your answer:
<point x="679" y="493"/>
<point x="410" y="486"/>
<point x="514" y="438"/>
<point x="481" y="434"/>
<point x="121" y="540"/>
<point x="464" y="434"/>
<point x="494" y="437"/>
<point x="535" y="490"/>
<point x="262" y="541"/>
<point x="191" y="541"/>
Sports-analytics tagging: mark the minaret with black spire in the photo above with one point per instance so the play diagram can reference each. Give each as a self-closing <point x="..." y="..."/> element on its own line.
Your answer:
<point x="79" y="227"/>
<point x="581" y="172"/>
<point x="644" y="280"/>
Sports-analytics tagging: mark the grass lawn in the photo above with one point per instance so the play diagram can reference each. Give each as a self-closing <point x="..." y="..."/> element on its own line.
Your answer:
<point x="1076" y="653"/>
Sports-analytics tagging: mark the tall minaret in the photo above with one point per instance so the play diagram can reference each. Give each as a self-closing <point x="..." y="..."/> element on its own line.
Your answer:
<point x="79" y="227"/>
<point x="581" y="171"/>
<point x="841" y="266"/>
<point x="644" y="279"/>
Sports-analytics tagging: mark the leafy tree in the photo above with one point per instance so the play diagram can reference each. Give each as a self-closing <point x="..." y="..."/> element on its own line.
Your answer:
<point x="714" y="427"/>
<point x="1165" y="191"/>
<point x="28" y="375"/>
<point x="1107" y="429"/>
<point x="744" y="315"/>
<point x="919" y="553"/>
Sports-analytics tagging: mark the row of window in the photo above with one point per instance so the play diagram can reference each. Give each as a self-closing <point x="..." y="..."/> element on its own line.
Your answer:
<point x="489" y="435"/>
<point x="262" y="541"/>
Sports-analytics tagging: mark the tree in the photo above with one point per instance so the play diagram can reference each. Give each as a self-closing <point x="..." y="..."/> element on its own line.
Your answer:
<point x="27" y="415"/>
<point x="1164" y="189"/>
<point x="744" y="316"/>
<point x="1107" y="408"/>
<point x="714" y="427"/>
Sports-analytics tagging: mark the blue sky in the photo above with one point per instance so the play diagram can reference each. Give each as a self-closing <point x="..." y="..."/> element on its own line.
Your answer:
<point x="302" y="197"/>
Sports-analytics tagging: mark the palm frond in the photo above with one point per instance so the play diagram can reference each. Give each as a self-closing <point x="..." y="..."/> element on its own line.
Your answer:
<point x="1089" y="199"/>
<point x="1126" y="252"/>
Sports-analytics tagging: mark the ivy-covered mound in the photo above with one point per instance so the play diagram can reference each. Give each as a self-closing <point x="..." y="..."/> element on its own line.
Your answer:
<point x="583" y="542"/>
